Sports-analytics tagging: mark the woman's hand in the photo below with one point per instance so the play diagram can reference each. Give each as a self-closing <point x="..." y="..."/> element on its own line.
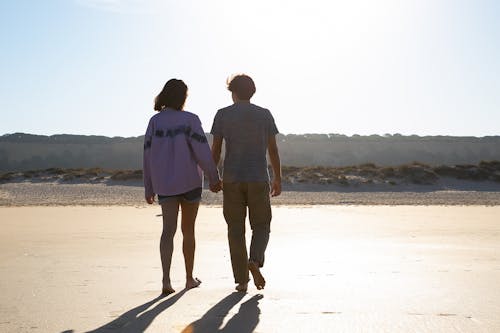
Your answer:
<point x="150" y="199"/>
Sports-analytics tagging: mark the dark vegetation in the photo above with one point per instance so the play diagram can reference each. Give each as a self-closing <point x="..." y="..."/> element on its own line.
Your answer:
<point x="93" y="175"/>
<point x="368" y="173"/>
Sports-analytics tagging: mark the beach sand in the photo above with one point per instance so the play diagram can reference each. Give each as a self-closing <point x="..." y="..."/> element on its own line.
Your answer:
<point x="30" y="193"/>
<point x="328" y="269"/>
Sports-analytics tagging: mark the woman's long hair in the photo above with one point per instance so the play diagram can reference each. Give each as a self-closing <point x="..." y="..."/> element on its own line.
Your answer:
<point x="173" y="95"/>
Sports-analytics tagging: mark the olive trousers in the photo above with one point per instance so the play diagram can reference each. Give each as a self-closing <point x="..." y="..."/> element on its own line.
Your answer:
<point x="237" y="198"/>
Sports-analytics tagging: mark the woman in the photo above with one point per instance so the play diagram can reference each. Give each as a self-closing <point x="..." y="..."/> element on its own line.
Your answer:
<point x="175" y="147"/>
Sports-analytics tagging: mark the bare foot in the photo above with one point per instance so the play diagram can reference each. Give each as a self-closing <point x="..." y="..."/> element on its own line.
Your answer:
<point x="258" y="279"/>
<point x="192" y="283"/>
<point x="242" y="287"/>
<point x="167" y="290"/>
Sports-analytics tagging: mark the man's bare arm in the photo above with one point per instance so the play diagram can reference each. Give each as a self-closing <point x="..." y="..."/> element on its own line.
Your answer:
<point x="216" y="148"/>
<point x="274" y="158"/>
<point x="216" y="151"/>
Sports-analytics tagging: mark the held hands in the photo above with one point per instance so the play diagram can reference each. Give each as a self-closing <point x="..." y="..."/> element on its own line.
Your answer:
<point x="275" y="188"/>
<point x="216" y="187"/>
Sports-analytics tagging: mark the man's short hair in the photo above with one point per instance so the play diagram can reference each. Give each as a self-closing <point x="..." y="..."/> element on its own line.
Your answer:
<point x="242" y="85"/>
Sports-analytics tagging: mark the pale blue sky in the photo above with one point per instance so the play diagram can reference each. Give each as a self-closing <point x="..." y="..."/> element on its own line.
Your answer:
<point x="423" y="67"/>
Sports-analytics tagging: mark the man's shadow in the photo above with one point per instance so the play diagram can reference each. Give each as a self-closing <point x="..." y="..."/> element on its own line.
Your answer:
<point x="245" y="321"/>
<point x="136" y="320"/>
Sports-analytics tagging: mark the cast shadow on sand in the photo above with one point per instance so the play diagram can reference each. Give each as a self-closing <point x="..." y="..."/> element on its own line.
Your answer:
<point x="245" y="321"/>
<point x="138" y="319"/>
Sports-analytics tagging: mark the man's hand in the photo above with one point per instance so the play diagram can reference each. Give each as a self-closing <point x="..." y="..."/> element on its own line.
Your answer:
<point x="150" y="199"/>
<point x="276" y="188"/>
<point x="274" y="157"/>
<point x="216" y="187"/>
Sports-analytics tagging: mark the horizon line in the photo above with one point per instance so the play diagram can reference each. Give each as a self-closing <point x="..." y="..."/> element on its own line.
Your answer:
<point x="385" y="135"/>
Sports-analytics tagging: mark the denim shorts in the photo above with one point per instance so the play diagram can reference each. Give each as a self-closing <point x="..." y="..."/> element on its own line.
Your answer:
<point x="190" y="196"/>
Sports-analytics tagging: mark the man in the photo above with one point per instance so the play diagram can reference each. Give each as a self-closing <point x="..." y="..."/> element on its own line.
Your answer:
<point x="249" y="132"/>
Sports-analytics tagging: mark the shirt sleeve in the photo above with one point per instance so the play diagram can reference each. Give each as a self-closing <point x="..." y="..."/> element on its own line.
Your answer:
<point x="146" y="166"/>
<point x="217" y="125"/>
<point x="272" y="129"/>
<point x="201" y="150"/>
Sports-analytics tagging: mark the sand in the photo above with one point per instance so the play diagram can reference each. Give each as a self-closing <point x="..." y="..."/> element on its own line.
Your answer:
<point x="457" y="193"/>
<point x="328" y="269"/>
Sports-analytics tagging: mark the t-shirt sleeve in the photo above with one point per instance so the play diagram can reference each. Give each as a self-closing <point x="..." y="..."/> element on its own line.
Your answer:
<point x="272" y="129"/>
<point x="217" y="125"/>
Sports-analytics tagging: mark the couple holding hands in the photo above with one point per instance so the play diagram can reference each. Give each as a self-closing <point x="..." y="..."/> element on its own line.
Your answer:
<point x="175" y="152"/>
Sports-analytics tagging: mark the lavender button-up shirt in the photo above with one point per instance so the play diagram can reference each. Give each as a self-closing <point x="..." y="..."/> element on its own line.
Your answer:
<point x="175" y="153"/>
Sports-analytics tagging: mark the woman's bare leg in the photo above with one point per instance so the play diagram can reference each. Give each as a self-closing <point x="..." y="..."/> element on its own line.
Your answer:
<point x="170" y="211"/>
<point x="189" y="213"/>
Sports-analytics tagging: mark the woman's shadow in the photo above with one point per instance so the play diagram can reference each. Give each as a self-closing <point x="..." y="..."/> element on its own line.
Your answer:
<point x="136" y="320"/>
<point x="245" y="321"/>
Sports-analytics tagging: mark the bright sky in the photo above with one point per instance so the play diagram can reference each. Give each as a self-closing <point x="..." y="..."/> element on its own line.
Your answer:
<point x="425" y="67"/>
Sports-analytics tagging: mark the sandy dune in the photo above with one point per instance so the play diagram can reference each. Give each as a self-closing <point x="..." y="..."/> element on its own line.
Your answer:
<point x="329" y="269"/>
